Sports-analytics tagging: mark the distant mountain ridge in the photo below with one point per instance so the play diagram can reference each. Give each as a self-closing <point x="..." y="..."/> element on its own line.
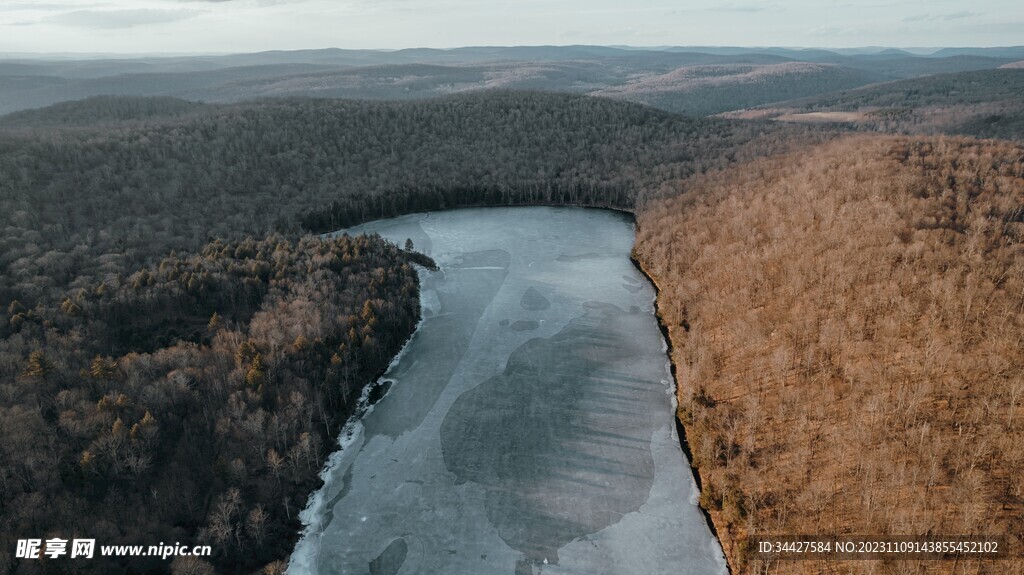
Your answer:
<point x="428" y="72"/>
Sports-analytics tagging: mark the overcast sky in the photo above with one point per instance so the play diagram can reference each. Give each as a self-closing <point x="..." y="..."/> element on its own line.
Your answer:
<point x="184" y="26"/>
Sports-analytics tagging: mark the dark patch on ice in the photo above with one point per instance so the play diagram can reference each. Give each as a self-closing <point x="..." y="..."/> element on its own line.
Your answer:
<point x="533" y="301"/>
<point x="485" y="260"/>
<point x="442" y="339"/>
<point x="503" y="323"/>
<point x="524" y="325"/>
<point x="378" y="391"/>
<point x="346" y="481"/>
<point x="631" y="288"/>
<point x="523" y="567"/>
<point x="586" y="256"/>
<point x="536" y="437"/>
<point x="391" y="559"/>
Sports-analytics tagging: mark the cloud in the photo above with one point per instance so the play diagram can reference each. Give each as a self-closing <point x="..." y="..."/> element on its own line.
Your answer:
<point x="834" y="31"/>
<point x="964" y="14"/>
<point x="44" y="7"/>
<point x="739" y="8"/>
<point x="1012" y="27"/>
<point x="938" y="17"/>
<point x="114" y="19"/>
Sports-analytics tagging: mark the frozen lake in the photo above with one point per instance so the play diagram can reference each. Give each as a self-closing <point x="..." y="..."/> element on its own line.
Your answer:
<point x="528" y="427"/>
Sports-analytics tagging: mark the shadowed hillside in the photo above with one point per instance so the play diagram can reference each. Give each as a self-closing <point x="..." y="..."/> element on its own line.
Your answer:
<point x="126" y="191"/>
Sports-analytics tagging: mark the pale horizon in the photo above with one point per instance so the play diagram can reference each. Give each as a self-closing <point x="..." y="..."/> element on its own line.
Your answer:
<point x="194" y="27"/>
<point x="917" y="50"/>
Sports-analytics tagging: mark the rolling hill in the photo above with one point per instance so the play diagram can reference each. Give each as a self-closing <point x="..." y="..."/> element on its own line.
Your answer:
<point x="845" y="326"/>
<point x="636" y="74"/>
<point x="983" y="103"/>
<point x="710" y="89"/>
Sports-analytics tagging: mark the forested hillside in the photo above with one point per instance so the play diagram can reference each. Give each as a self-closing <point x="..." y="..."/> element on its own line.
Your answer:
<point x="847" y="336"/>
<point x="984" y="104"/>
<point x="193" y="400"/>
<point x="710" y="89"/>
<point x="101" y="111"/>
<point x="80" y="202"/>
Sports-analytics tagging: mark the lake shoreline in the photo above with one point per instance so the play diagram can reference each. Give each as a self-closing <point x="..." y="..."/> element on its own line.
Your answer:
<point x="684" y="442"/>
<point x="530" y="410"/>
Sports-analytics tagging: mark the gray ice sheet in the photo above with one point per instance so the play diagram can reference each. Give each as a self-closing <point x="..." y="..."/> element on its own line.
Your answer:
<point x="529" y="428"/>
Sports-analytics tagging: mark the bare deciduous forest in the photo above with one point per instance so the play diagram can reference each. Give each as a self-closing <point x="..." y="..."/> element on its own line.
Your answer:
<point x="194" y="399"/>
<point x="846" y="312"/>
<point x="847" y="327"/>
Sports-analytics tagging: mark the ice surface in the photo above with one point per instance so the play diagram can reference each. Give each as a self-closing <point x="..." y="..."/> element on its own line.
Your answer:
<point x="529" y="428"/>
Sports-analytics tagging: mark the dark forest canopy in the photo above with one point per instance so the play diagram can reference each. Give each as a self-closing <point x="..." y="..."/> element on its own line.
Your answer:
<point x="81" y="203"/>
<point x="99" y="111"/>
<point x="193" y="400"/>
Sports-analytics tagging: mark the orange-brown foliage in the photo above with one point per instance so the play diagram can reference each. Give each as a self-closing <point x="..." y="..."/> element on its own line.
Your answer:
<point x="848" y="328"/>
